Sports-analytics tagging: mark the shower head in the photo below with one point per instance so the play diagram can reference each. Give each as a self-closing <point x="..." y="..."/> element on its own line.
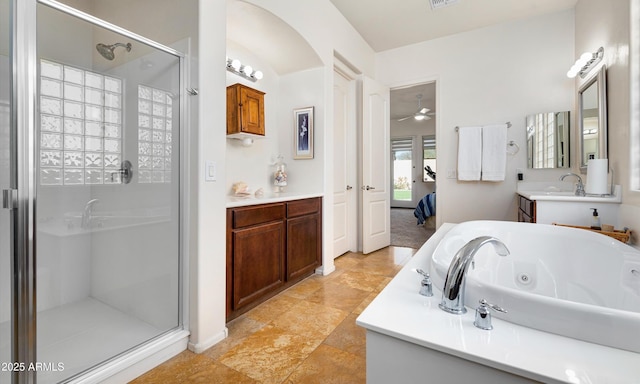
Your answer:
<point x="107" y="50"/>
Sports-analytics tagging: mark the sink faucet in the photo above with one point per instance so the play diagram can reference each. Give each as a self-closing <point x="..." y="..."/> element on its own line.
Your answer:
<point x="86" y="214"/>
<point x="454" y="284"/>
<point x="579" y="185"/>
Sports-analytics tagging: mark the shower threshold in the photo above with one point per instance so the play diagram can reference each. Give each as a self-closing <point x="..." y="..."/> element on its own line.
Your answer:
<point x="84" y="333"/>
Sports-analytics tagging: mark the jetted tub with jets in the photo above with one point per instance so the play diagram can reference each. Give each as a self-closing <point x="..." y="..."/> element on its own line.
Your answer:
<point x="567" y="281"/>
<point x="573" y="302"/>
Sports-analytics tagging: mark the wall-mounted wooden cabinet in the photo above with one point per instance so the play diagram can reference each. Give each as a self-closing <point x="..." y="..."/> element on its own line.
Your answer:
<point x="269" y="248"/>
<point x="245" y="110"/>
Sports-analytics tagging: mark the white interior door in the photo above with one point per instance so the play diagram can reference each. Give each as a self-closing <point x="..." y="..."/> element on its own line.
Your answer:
<point x="344" y="165"/>
<point x="376" y="196"/>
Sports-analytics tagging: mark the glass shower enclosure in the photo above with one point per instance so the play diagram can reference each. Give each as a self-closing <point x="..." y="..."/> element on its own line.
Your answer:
<point x="90" y="172"/>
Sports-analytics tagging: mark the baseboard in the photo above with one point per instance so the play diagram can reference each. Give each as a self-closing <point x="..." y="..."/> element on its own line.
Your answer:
<point x="201" y="347"/>
<point x="325" y="270"/>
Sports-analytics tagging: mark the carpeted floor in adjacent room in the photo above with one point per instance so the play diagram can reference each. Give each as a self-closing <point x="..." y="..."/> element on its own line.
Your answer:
<point x="404" y="229"/>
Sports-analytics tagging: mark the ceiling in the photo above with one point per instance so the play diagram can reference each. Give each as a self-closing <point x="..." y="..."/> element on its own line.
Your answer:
<point x="404" y="102"/>
<point x="386" y="24"/>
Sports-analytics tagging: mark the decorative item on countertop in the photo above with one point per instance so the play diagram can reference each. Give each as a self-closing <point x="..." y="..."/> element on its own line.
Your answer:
<point x="623" y="235"/>
<point x="595" y="221"/>
<point x="259" y="193"/>
<point x="280" y="174"/>
<point x="240" y="189"/>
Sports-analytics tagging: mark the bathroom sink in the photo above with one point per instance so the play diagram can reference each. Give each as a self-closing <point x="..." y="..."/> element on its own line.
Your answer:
<point x="555" y="194"/>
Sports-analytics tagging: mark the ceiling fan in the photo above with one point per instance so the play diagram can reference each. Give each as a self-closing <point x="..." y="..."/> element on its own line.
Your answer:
<point x="421" y="114"/>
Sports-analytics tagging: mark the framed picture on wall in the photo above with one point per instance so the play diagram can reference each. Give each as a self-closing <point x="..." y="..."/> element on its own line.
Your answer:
<point x="303" y="133"/>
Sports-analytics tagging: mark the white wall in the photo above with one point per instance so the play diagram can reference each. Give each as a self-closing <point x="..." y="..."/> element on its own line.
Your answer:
<point x="608" y="25"/>
<point x="490" y="75"/>
<point x="300" y="90"/>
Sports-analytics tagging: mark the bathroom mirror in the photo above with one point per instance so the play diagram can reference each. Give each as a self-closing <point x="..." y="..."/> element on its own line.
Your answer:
<point x="592" y="119"/>
<point x="548" y="140"/>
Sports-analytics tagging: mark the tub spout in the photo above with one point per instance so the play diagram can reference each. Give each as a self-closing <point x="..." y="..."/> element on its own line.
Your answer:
<point x="454" y="284"/>
<point x="88" y="213"/>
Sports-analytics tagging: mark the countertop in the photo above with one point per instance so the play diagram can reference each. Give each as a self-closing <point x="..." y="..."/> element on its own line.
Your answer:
<point x="559" y="192"/>
<point x="508" y="347"/>
<point x="269" y="197"/>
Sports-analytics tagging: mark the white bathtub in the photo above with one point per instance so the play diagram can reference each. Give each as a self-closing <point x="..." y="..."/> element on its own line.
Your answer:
<point x="566" y="281"/>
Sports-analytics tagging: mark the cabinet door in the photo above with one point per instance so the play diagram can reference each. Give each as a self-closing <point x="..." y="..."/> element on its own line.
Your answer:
<point x="304" y="250"/>
<point x="257" y="262"/>
<point x="252" y="111"/>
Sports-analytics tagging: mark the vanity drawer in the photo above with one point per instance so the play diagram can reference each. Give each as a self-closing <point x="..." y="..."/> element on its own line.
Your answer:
<point x="303" y="207"/>
<point x="248" y="216"/>
<point x="526" y="210"/>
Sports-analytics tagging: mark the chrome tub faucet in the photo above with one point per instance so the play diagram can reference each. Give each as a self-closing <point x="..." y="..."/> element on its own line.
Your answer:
<point x="579" y="186"/>
<point x="87" y="213"/>
<point x="454" y="284"/>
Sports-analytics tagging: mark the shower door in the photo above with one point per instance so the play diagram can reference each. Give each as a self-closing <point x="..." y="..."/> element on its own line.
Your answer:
<point x="106" y="172"/>
<point x="5" y="184"/>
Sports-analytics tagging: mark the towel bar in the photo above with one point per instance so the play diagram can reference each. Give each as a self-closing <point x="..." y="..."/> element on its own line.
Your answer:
<point x="508" y="126"/>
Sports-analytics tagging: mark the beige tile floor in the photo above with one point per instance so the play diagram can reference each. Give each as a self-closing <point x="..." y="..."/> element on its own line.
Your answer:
<point x="306" y="334"/>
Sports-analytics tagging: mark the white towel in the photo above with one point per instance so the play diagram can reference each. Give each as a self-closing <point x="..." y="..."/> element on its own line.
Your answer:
<point x="494" y="152"/>
<point x="469" y="153"/>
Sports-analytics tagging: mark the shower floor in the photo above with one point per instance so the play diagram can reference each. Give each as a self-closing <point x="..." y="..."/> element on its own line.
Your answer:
<point x="84" y="333"/>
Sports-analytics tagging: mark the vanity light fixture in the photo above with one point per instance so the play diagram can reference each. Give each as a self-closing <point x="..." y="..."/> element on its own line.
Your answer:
<point x="586" y="62"/>
<point x="246" y="71"/>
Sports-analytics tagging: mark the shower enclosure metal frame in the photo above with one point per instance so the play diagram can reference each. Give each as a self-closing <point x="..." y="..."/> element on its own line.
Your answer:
<point x="21" y="198"/>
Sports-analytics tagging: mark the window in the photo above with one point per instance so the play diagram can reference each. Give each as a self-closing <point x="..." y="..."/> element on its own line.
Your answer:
<point x="155" y="110"/>
<point x="401" y="150"/>
<point x="80" y="126"/>
<point x="428" y="158"/>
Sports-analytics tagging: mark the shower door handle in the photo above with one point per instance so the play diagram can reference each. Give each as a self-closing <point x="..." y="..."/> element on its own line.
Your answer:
<point x="10" y="198"/>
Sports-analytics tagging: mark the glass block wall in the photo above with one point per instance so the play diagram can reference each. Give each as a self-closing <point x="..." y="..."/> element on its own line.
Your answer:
<point x="80" y="126"/>
<point x="155" y="110"/>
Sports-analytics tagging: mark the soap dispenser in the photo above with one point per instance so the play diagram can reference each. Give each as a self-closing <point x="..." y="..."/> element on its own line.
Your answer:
<point x="595" y="221"/>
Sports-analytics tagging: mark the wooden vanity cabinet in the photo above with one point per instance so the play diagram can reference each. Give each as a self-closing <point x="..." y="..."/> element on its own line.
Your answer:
<point x="269" y="248"/>
<point x="304" y="232"/>
<point x="255" y="249"/>
<point x="245" y="110"/>
<point x="526" y="210"/>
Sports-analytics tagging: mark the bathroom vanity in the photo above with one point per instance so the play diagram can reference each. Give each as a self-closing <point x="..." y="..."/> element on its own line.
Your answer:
<point x="271" y="245"/>
<point x="553" y="203"/>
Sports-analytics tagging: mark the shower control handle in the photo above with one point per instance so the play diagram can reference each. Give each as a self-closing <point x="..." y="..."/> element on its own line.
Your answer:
<point x="125" y="172"/>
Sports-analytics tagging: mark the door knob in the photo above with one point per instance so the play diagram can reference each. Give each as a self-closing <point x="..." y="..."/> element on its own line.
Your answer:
<point x="349" y="187"/>
<point x="366" y="188"/>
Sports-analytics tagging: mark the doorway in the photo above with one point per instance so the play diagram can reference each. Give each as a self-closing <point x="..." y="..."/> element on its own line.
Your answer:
<point x="413" y="161"/>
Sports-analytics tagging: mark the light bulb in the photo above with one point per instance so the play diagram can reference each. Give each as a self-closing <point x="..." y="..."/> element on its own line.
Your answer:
<point x="586" y="56"/>
<point x="571" y="74"/>
<point x="247" y="70"/>
<point x="258" y="75"/>
<point x="419" y="117"/>
<point x="235" y="64"/>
